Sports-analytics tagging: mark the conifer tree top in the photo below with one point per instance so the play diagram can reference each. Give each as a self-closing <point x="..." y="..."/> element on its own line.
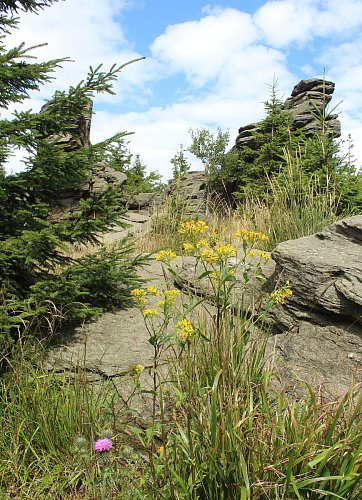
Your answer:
<point x="24" y="5"/>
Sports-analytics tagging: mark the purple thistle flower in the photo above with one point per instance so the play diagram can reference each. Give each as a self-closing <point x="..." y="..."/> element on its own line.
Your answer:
<point x="102" y="445"/>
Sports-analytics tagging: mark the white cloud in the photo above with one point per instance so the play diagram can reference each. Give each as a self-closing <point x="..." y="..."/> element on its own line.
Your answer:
<point x="84" y="30"/>
<point x="283" y="22"/>
<point x="337" y="17"/>
<point x="200" y="49"/>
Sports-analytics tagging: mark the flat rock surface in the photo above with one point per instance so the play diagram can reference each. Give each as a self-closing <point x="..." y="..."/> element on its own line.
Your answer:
<point x="110" y="347"/>
<point x="113" y="343"/>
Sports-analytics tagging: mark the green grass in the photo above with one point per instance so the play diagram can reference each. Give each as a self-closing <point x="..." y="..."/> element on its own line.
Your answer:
<point x="226" y="429"/>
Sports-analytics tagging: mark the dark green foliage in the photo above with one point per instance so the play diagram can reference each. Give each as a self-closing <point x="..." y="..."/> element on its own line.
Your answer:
<point x="138" y="181"/>
<point x="180" y="164"/>
<point x="98" y="281"/>
<point x="25" y="5"/>
<point x="40" y="283"/>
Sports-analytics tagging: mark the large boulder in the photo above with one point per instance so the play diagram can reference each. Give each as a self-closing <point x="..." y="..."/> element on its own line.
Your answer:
<point x="319" y="328"/>
<point x="192" y="189"/>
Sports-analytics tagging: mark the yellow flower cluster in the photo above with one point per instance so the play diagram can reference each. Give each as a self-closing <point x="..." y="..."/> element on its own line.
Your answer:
<point x="184" y="329"/>
<point x="192" y="227"/>
<point x="225" y="251"/>
<point x="259" y="253"/>
<point x="165" y="256"/>
<point x="138" y="369"/>
<point x="188" y="247"/>
<point x="251" y="235"/>
<point x="202" y="244"/>
<point x="150" y="312"/>
<point x="140" y="295"/>
<point x="153" y="291"/>
<point x="169" y="298"/>
<point x="171" y="295"/>
<point x="209" y="256"/>
<point x="280" y="295"/>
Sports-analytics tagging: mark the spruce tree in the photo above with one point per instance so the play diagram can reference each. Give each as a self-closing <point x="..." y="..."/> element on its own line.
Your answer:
<point x="38" y="278"/>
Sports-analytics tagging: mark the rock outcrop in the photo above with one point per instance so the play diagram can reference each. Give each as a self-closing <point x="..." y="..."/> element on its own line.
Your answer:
<point x="191" y="189"/>
<point x="77" y="134"/>
<point x="320" y="326"/>
<point x="307" y="98"/>
<point x="73" y="138"/>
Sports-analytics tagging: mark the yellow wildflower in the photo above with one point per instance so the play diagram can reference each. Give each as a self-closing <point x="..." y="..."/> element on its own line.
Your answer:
<point x="281" y="294"/>
<point x="161" y="303"/>
<point x="188" y="247"/>
<point x="225" y="251"/>
<point x="140" y="295"/>
<point x="153" y="291"/>
<point x="251" y="235"/>
<point x="192" y="227"/>
<point x="202" y="244"/>
<point x="259" y="253"/>
<point x="184" y="329"/>
<point x="209" y="256"/>
<point x="165" y="256"/>
<point x="151" y="312"/>
<point x="138" y="369"/>
<point x="264" y="255"/>
<point x="171" y="295"/>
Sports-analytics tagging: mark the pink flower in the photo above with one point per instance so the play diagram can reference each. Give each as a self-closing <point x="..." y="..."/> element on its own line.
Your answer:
<point x="104" y="444"/>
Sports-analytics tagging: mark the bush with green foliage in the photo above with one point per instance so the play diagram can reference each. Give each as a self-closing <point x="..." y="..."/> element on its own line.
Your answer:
<point x="180" y="165"/>
<point x="37" y="275"/>
<point x="138" y="181"/>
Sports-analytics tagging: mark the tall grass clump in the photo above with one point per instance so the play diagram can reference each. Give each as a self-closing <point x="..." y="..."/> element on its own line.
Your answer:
<point x="298" y="203"/>
<point x="49" y="423"/>
<point x="232" y="433"/>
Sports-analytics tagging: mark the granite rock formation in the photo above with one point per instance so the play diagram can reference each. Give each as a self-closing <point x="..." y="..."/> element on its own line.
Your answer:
<point x="77" y="134"/>
<point x="191" y="188"/>
<point x="75" y="137"/>
<point x="320" y="326"/>
<point x="307" y="97"/>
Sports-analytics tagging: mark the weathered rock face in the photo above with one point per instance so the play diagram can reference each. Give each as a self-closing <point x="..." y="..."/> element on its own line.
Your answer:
<point x="191" y="189"/>
<point x="78" y="133"/>
<point x="320" y="326"/>
<point x="307" y="97"/>
<point x="147" y="202"/>
<point x="75" y="137"/>
<point x="326" y="272"/>
<point x="103" y="176"/>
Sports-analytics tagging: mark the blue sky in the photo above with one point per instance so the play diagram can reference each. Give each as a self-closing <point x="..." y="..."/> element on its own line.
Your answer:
<point x="208" y="64"/>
